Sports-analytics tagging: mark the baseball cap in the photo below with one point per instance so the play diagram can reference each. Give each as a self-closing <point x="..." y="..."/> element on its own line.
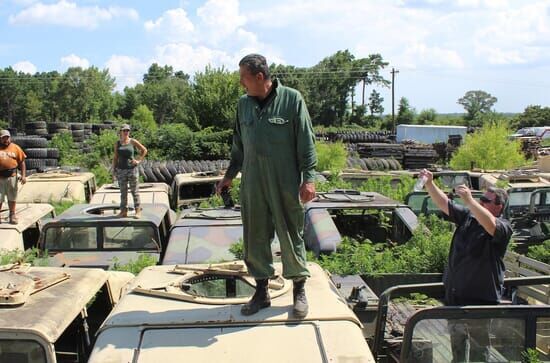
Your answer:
<point x="125" y="127"/>
<point x="4" y="133"/>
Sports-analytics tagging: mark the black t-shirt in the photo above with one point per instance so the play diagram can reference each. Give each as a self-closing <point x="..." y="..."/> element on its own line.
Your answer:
<point x="475" y="271"/>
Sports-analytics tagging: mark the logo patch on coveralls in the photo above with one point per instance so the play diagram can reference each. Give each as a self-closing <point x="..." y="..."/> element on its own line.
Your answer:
<point x="277" y="120"/>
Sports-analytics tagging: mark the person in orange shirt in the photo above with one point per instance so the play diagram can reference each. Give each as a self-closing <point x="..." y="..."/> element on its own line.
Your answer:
<point x="12" y="157"/>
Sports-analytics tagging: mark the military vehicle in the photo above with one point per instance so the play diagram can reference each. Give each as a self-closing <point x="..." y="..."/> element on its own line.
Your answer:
<point x="26" y="232"/>
<point x="205" y="235"/>
<point x="149" y="193"/>
<point x="192" y="313"/>
<point x="50" y="314"/>
<point x="359" y="215"/>
<point x="193" y="188"/>
<point x="92" y="236"/>
<point x="56" y="186"/>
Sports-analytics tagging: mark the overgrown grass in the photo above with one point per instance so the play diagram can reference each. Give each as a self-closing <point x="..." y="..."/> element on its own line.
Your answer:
<point x="540" y="252"/>
<point x="33" y="256"/>
<point x="144" y="260"/>
<point x="62" y="206"/>
<point x="331" y="156"/>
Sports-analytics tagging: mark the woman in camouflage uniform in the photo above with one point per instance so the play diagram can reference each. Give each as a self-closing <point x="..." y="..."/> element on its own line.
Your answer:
<point x="125" y="165"/>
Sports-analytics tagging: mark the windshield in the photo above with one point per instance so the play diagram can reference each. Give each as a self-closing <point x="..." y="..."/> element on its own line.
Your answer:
<point x="522" y="198"/>
<point x="130" y="238"/>
<point x="21" y="351"/>
<point x="114" y="237"/>
<point x="70" y="238"/>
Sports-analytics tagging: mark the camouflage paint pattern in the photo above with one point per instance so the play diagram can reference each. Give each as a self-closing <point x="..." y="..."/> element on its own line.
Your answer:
<point x="96" y="259"/>
<point x="320" y="232"/>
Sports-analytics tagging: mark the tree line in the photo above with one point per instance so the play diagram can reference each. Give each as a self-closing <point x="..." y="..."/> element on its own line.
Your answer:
<point x="207" y="99"/>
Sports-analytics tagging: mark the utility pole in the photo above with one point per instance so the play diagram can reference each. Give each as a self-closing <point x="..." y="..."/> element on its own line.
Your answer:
<point x="393" y="72"/>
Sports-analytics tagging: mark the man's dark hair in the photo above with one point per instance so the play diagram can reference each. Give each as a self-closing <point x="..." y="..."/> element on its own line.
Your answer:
<point x="256" y="63"/>
<point x="500" y="195"/>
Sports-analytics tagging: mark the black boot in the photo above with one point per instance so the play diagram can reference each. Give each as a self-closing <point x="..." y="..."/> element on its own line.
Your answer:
<point x="260" y="300"/>
<point x="300" y="300"/>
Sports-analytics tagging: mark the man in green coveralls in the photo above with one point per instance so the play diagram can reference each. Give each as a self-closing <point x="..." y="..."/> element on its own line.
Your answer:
<point x="274" y="149"/>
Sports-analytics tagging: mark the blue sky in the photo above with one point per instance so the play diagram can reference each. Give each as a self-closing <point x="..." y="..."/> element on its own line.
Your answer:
<point x="442" y="49"/>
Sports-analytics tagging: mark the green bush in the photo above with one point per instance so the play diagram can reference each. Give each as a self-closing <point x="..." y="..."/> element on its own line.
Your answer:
<point x="425" y="252"/>
<point x="68" y="156"/>
<point x="488" y="148"/>
<point x="62" y="206"/>
<point x="391" y="187"/>
<point x="144" y="260"/>
<point x="331" y="157"/>
<point x="540" y="252"/>
<point x="33" y="256"/>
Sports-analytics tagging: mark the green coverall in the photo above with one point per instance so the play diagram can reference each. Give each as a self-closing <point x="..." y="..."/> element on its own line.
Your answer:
<point x="274" y="148"/>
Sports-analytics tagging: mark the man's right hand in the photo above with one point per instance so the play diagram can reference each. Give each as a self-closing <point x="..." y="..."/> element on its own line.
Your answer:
<point x="224" y="183"/>
<point x="426" y="173"/>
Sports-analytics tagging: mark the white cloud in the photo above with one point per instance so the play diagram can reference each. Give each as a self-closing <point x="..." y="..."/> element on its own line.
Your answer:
<point x="66" y="13"/>
<point x="72" y="60"/>
<point x="173" y="25"/>
<point x="515" y="36"/>
<point x="25" y="67"/>
<point x="221" y="19"/>
<point x="191" y="59"/>
<point x="434" y="56"/>
<point x="128" y="71"/>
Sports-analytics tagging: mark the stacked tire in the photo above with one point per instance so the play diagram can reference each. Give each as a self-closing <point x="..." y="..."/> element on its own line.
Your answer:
<point x="40" y="157"/>
<point x="55" y="128"/>
<point x="36" y="128"/>
<point x="378" y="164"/>
<point x="165" y="171"/>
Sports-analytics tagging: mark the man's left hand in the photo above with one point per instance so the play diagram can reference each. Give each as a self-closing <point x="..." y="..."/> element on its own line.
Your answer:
<point x="464" y="192"/>
<point x="307" y="192"/>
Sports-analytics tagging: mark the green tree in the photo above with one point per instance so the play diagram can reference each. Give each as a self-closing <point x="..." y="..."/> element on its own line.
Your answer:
<point x="375" y="103"/>
<point x="405" y="114"/>
<point x="214" y="97"/>
<point x="488" y="148"/>
<point x="331" y="157"/>
<point x="84" y="95"/>
<point x="10" y="91"/>
<point x="426" y="117"/>
<point x="142" y="120"/>
<point x="476" y="102"/>
<point x="533" y="115"/>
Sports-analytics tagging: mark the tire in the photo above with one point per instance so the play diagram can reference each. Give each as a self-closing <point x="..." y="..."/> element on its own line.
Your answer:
<point x="149" y="175"/>
<point x="52" y="162"/>
<point x="166" y="174"/>
<point x="77" y="133"/>
<point x="33" y="125"/>
<point x="172" y="168"/>
<point x="36" y="153"/>
<point x="38" y="164"/>
<point x="52" y="153"/>
<point x="58" y="125"/>
<point x="37" y="142"/>
<point x="370" y="164"/>
<point x="76" y="126"/>
<point x="385" y="164"/>
<point x="158" y="175"/>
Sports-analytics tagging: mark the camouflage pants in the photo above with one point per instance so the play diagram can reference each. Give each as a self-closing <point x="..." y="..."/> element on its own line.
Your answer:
<point x="125" y="177"/>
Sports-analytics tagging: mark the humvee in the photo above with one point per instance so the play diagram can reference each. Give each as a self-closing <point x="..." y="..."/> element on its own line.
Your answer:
<point x="26" y="232"/>
<point x="192" y="313"/>
<point x="359" y="215"/>
<point x="50" y="314"/>
<point x="193" y="188"/>
<point x="92" y="236"/>
<point x="56" y="186"/>
<point x="205" y="235"/>
<point x="149" y="193"/>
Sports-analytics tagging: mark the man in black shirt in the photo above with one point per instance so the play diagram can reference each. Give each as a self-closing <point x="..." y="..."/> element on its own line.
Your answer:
<point x="474" y="274"/>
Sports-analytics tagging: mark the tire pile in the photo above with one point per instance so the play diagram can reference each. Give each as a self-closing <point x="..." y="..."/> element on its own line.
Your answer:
<point x="39" y="156"/>
<point x="374" y="163"/>
<point x="418" y="156"/>
<point x="357" y="136"/>
<point x="164" y="171"/>
<point x="380" y="150"/>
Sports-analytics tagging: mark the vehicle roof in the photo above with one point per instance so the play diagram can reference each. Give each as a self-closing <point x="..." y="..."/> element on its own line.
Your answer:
<point x="142" y="310"/>
<point x="152" y="193"/>
<point x="143" y="187"/>
<point x="48" y="312"/>
<point x="198" y="177"/>
<point x="27" y="214"/>
<point x="353" y="200"/>
<point x="60" y="175"/>
<point x="209" y="217"/>
<point x="79" y="213"/>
